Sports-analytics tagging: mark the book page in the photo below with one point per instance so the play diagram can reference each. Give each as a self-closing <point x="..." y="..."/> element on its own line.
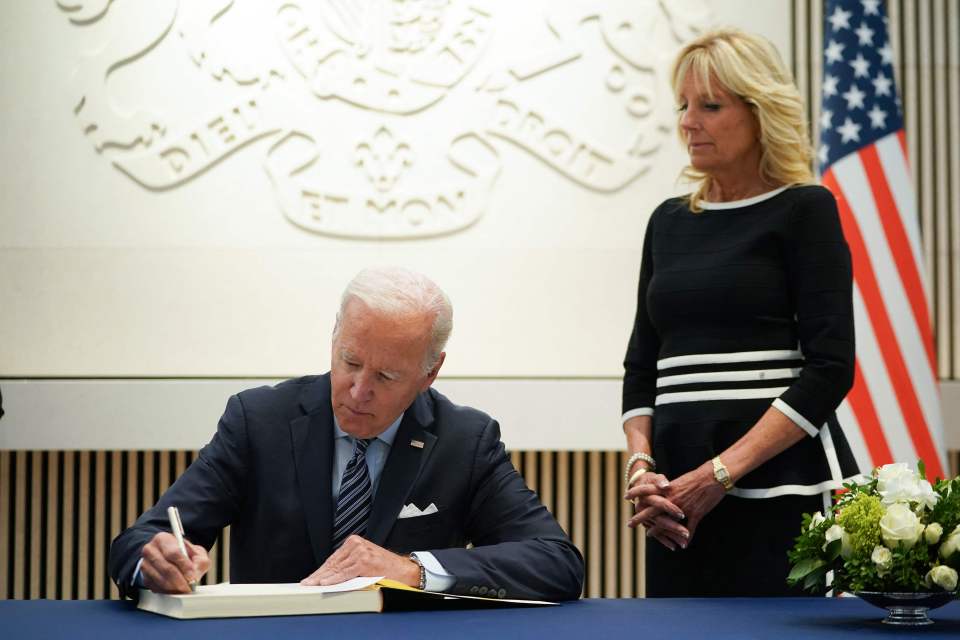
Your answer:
<point x="286" y="588"/>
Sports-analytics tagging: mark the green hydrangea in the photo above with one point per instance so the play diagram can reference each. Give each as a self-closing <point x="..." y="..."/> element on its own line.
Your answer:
<point x="860" y="518"/>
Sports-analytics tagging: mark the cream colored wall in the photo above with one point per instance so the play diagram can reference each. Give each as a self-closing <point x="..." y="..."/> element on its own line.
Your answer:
<point x="196" y="251"/>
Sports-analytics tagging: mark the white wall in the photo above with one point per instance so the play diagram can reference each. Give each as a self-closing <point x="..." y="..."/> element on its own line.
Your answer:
<point x="137" y="262"/>
<point x="186" y="188"/>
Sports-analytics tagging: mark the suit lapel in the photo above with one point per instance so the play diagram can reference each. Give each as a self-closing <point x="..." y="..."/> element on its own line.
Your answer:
<point x="402" y="468"/>
<point x="312" y="442"/>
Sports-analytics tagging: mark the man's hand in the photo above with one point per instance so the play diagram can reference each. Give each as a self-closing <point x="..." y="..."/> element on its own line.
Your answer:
<point x="165" y="570"/>
<point x="360" y="557"/>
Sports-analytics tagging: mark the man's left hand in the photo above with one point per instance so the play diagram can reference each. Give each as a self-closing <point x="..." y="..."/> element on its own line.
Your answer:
<point x="360" y="557"/>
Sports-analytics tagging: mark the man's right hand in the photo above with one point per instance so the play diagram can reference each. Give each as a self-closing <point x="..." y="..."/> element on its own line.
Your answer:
<point x="166" y="570"/>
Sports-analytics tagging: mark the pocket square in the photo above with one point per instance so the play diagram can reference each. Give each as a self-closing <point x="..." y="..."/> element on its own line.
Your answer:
<point x="412" y="511"/>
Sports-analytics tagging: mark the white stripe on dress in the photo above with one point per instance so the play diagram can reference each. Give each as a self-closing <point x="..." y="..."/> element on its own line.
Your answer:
<point x="794" y="415"/>
<point x="724" y="358"/>
<point x="728" y="376"/>
<point x="719" y="394"/>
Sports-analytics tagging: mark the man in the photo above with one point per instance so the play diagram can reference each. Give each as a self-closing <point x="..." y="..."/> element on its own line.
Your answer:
<point x="363" y="471"/>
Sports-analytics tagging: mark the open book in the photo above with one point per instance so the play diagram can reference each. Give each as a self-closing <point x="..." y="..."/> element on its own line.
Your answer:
<point x="354" y="596"/>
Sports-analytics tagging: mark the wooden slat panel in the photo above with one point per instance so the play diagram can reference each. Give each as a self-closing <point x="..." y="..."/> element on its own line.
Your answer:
<point x="180" y="462"/>
<point x="133" y="470"/>
<point x="530" y="473"/>
<point x="99" y="525"/>
<point x="53" y="521"/>
<point x="594" y="539"/>
<point x="625" y="548"/>
<point x="116" y="512"/>
<point x="547" y="481"/>
<point x="951" y="179"/>
<point x="20" y="527"/>
<point x="83" y="527"/>
<point x="147" y="499"/>
<point x="213" y="575"/>
<point x="611" y="509"/>
<point x="563" y="490"/>
<point x="6" y="589"/>
<point x="579" y="503"/>
<point x="225" y="554"/>
<point x="926" y="172"/>
<point x="68" y="530"/>
<point x="163" y="481"/>
<point x="36" y="527"/>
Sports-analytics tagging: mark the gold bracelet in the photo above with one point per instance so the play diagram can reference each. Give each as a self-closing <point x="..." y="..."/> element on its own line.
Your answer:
<point x="636" y="476"/>
<point x="639" y="455"/>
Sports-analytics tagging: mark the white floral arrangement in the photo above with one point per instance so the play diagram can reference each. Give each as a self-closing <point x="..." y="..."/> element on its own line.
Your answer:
<point x="890" y="532"/>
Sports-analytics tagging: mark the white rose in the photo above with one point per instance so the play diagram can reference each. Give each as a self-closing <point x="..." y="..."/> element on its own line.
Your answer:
<point x="846" y="546"/>
<point x="951" y="545"/>
<point x="898" y="483"/>
<point x="833" y="533"/>
<point x="926" y="495"/>
<point x="816" y="520"/>
<point x="943" y="576"/>
<point x="883" y="558"/>
<point x="900" y="525"/>
<point x="932" y="533"/>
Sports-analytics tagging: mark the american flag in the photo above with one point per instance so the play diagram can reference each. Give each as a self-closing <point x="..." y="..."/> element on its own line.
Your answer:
<point x="893" y="411"/>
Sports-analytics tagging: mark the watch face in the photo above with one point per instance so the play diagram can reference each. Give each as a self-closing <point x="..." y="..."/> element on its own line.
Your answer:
<point x="721" y="474"/>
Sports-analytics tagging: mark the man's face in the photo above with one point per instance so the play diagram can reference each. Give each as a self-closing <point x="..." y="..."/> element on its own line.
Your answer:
<point x="377" y="367"/>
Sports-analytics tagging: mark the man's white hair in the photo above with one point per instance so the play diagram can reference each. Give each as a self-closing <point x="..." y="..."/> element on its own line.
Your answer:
<point x="397" y="291"/>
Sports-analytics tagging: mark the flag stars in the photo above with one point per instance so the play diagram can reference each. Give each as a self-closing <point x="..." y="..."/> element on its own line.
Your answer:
<point x="865" y="35"/>
<point x="878" y="117"/>
<point x="826" y="119"/>
<point x="823" y="153"/>
<point x="854" y="97"/>
<point x="871" y="7"/>
<point x="840" y="19"/>
<point x="861" y="67"/>
<point x="849" y="131"/>
<point x="886" y="53"/>
<point x="834" y="51"/>
<point x="882" y="84"/>
<point x="830" y="85"/>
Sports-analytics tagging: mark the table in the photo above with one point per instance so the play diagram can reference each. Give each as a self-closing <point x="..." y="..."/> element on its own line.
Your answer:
<point x="592" y="619"/>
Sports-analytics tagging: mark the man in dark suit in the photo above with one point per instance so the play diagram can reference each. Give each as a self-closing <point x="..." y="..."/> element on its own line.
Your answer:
<point x="362" y="471"/>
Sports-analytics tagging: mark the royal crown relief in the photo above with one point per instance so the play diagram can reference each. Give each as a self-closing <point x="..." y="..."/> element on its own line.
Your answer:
<point x="385" y="119"/>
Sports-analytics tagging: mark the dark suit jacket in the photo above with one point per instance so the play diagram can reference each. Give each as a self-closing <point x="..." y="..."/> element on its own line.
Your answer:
<point x="267" y="472"/>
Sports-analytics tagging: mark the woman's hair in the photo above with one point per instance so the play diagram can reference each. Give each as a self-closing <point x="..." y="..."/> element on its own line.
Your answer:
<point x="749" y="67"/>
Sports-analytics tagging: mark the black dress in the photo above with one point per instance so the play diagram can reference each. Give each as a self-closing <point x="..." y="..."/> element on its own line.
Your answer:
<point x="742" y="306"/>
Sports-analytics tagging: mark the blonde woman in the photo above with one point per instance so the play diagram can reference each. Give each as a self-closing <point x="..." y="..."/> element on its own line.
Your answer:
<point x="743" y="343"/>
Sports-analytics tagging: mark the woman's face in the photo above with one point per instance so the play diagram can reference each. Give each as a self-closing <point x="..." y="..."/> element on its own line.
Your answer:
<point x="721" y="131"/>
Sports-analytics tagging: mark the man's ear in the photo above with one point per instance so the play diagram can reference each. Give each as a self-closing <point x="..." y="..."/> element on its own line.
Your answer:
<point x="432" y="375"/>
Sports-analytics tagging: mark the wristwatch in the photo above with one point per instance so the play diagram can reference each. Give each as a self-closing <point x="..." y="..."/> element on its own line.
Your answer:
<point x="721" y="474"/>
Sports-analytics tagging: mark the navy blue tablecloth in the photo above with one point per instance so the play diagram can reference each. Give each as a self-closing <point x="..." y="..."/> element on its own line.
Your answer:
<point x="703" y="619"/>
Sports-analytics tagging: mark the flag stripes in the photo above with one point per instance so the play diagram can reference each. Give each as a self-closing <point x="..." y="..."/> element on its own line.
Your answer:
<point x="885" y="303"/>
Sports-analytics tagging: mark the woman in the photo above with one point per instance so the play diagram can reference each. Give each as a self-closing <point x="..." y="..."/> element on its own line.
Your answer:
<point x="742" y="346"/>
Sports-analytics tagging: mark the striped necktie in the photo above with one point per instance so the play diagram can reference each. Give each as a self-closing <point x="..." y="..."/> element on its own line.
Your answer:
<point x="353" y="503"/>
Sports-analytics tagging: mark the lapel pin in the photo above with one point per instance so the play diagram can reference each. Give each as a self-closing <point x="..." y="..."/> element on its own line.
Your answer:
<point x="416" y="443"/>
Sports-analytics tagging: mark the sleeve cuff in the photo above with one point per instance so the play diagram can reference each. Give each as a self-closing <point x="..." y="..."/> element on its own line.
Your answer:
<point x="802" y="422"/>
<point x="137" y="579"/>
<point x="633" y="413"/>
<point x="438" y="579"/>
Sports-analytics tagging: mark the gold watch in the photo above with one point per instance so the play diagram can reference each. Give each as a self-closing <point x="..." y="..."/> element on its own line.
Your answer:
<point x="721" y="474"/>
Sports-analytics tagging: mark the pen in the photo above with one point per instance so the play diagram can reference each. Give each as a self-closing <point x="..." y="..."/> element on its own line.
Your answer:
<point x="177" y="526"/>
